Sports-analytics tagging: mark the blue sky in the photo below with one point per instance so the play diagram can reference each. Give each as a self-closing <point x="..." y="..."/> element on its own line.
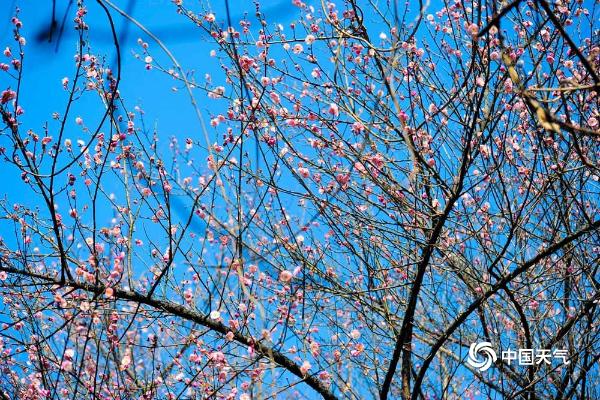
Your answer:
<point x="47" y="62"/>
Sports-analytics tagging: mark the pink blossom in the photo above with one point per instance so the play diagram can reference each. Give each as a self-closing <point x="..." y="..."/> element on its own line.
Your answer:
<point x="7" y="96"/>
<point x="309" y="39"/>
<point x="324" y="376"/>
<point x="358" y="349"/>
<point x="533" y="304"/>
<point x="358" y="166"/>
<point x="195" y="358"/>
<point x="342" y="179"/>
<point x="246" y="63"/>
<point x="484" y="150"/>
<point x="216" y="92"/>
<point x="334" y="110"/>
<point x="216" y="356"/>
<point x="285" y="276"/>
<point x="17" y="22"/>
<point x="66" y="365"/>
<point x="125" y="362"/>
<point x="473" y="29"/>
<point x="275" y="97"/>
<point x="358" y="128"/>
<point x="315" y="348"/>
<point x="403" y="116"/>
<point x="298" y="49"/>
<point x="304" y="172"/>
<point x="305" y="367"/>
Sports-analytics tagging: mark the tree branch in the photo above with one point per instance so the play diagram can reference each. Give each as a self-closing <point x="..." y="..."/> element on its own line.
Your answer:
<point x="190" y="315"/>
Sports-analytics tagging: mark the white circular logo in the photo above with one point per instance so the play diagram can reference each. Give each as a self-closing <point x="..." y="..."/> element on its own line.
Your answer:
<point x="485" y="348"/>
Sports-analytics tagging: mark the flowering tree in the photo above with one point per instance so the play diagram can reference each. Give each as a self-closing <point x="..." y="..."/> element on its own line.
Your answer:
<point x="377" y="187"/>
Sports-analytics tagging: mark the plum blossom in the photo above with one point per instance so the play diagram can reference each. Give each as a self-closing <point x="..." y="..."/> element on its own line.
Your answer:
<point x="305" y="367"/>
<point x="473" y="29"/>
<point x="285" y="276"/>
<point x="309" y="39"/>
<point x="304" y="172"/>
<point x="484" y="150"/>
<point x="7" y="95"/>
<point x="298" y="48"/>
<point x="334" y="110"/>
<point x="343" y="179"/>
